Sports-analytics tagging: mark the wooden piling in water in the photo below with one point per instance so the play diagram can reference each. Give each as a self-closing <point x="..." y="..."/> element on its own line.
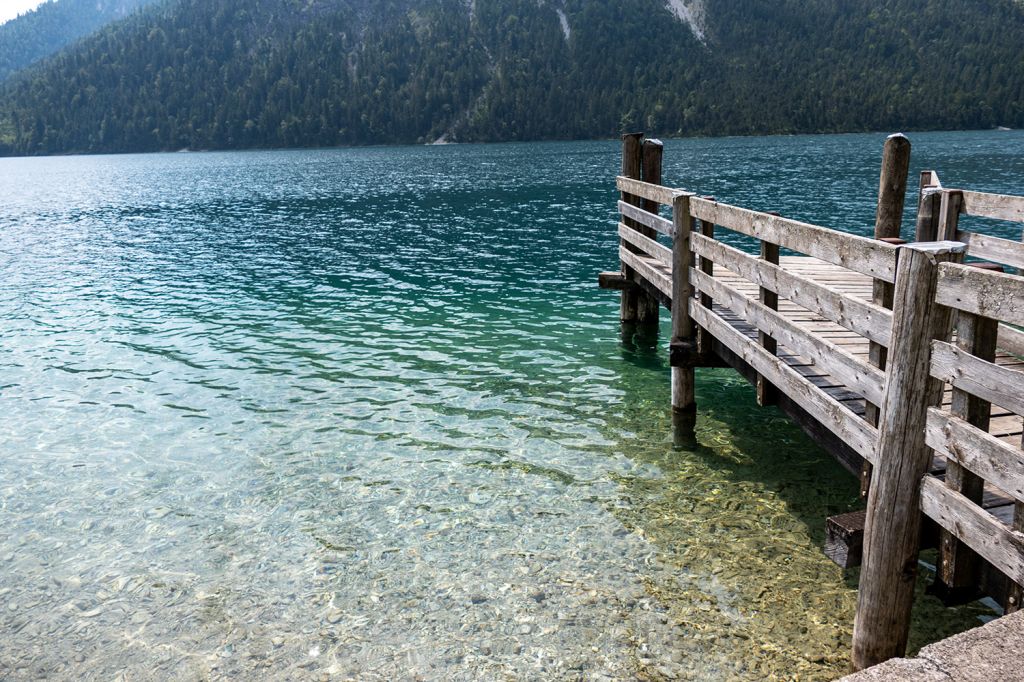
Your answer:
<point x="892" y="187"/>
<point x="631" y="162"/>
<point x="683" y="328"/>
<point x="651" y="155"/>
<point x="892" y="193"/>
<point x="764" y="390"/>
<point x="892" y="536"/>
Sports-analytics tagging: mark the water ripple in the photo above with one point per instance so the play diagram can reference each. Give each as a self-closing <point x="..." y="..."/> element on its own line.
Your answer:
<point x="364" y="412"/>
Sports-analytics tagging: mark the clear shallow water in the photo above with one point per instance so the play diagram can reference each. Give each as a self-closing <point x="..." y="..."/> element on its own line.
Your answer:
<point x="365" y="413"/>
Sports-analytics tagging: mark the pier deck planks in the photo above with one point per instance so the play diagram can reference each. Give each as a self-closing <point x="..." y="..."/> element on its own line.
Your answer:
<point x="1004" y="425"/>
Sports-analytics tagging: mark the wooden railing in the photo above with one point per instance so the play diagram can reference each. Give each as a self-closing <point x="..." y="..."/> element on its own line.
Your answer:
<point x="939" y="214"/>
<point x="858" y="254"/>
<point x="982" y="300"/>
<point x="946" y="322"/>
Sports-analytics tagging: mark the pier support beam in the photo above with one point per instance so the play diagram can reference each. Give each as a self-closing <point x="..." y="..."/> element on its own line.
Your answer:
<point x="684" y="341"/>
<point x="892" y="187"/>
<point x="632" y="152"/>
<point x="928" y="203"/>
<point x="892" y="194"/>
<point x="892" y="533"/>
<point x="648" y="307"/>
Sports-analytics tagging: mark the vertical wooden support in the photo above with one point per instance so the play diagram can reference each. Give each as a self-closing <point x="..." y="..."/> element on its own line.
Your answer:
<point x="652" y="152"/>
<point x="765" y="391"/>
<point x="683" y="328"/>
<point x="1015" y="595"/>
<point x="956" y="578"/>
<point x="950" y="204"/>
<point x="892" y="194"/>
<point x="631" y="154"/>
<point x="927" y="229"/>
<point x="892" y="187"/>
<point x="891" y="537"/>
<point x="707" y="266"/>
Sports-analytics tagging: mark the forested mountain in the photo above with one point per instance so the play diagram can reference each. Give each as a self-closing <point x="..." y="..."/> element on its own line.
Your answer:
<point x="54" y="25"/>
<point x="213" y="74"/>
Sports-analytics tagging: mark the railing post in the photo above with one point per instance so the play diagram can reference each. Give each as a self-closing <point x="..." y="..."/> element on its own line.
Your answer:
<point x="928" y="198"/>
<point x="652" y="152"/>
<point x="892" y="193"/>
<point x="956" y="578"/>
<point x="950" y="203"/>
<point x="891" y="537"/>
<point x="683" y="328"/>
<point x="631" y="156"/>
<point x="765" y="391"/>
<point x="1015" y="593"/>
<point x="707" y="266"/>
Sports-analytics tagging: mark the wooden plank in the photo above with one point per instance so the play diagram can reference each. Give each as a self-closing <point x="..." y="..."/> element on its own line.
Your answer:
<point x="646" y="269"/>
<point x="647" y="245"/>
<point x="987" y="380"/>
<point x="1011" y="340"/>
<point x="984" y="454"/>
<point x="892" y="540"/>
<point x="844" y="538"/>
<point x="859" y="316"/>
<point x="655" y="222"/>
<point x="995" y="295"/>
<point x="829" y="412"/>
<point x="975" y="527"/>
<point x="993" y="249"/>
<point x="613" y="280"/>
<point x="645" y="190"/>
<point x="861" y="254"/>
<point x="866" y="380"/>
<point x="998" y="206"/>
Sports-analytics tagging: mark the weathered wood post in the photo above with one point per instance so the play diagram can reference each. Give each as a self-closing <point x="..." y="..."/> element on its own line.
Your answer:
<point x="956" y="577"/>
<point x="892" y="187"/>
<point x="928" y="198"/>
<point x="951" y="202"/>
<point x="684" y="346"/>
<point x="764" y="390"/>
<point x="891" y="538"/>
<point x="1015" y="592"/>
<point x="707" y="266"/>
<point x="631" y="159"/>
<point x="892" y="194"/>
<point x="647" y="307"/>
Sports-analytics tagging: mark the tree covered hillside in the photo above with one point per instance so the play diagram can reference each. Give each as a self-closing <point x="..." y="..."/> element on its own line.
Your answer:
<point x="214" y="74"/>
<point x="54" y="25"/>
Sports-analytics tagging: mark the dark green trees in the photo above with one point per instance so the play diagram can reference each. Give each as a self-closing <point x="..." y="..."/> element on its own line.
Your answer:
<point x="213" y="74"/>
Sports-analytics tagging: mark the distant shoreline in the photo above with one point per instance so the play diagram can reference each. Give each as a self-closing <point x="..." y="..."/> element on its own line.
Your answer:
<point x="500" y="142"/>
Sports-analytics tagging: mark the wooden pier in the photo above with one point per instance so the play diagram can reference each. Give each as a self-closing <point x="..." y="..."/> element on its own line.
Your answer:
<point x="904" y="360"/>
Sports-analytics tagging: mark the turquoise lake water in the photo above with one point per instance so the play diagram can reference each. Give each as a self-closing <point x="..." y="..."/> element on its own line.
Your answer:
<point x="364" y="413"/>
